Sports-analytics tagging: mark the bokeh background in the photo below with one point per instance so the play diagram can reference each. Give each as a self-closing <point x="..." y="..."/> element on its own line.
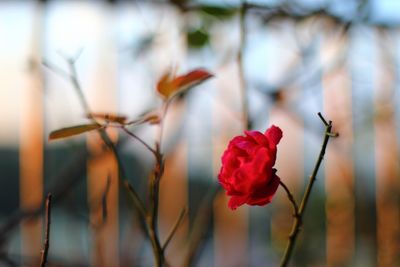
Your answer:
<point x="293" y="58"/>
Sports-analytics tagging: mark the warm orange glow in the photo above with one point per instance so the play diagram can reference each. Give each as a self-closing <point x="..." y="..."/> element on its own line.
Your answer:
<point x="173" y="198"/>
<point x="230" y="232"/>
<point x="288" y="155"/>
<point x="31" y="165"/>
<point x="339" y="185"/>
<point x="102" y="171"/>
<point x="387" y="170"/>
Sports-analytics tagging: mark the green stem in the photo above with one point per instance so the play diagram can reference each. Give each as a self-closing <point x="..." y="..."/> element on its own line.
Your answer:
<point x="298" y="219"/>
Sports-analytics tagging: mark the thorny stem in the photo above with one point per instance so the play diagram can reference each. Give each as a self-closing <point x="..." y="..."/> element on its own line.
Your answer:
<point x="46" y="245"/>
<point x="242" y="80"/>
<point x="298" y="219"/>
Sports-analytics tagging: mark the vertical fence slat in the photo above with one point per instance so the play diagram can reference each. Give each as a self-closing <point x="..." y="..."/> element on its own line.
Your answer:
<point x="361" y="57"/>
<point x="170" y="55"/>
<point x="173" y="198"/>
<point x="339" y="175"/>
<point x="349" y="216"/>
<point x="102" y="96"/>
<point x="230" y="232"/>
<point x="289" y="154"/>
<point x="103" y="186"/>
<point x="31" y="147"/>
<point x="386" y="160"/>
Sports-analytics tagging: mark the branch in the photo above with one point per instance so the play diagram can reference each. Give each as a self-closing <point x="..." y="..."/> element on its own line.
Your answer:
<point x="201" y="223"/>
<point x="73" y="78"/>
<point x="154" y="188"/>
<point x="291" y="199"/>
<point x="140" y="140"/>
<point x="298" y="219"/>
<point x="174" y="228"/>
<point x="46" y="245"/>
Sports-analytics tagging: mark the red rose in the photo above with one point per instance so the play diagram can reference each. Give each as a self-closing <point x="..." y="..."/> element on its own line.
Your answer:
<point x="246" y="173"/>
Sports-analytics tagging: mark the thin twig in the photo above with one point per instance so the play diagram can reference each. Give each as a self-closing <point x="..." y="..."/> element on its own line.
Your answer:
<point x="201" y="223"/>
<point x="103" y="134"/>
<point x="76" y="84"/>
<point x="178" y="222"/>
<point x="140" y="140"/>
<point x="154" y="188"/>
<point x="291" y="199"/>
<point x="299" y="218"/>
<point x="135" y="197"/>
<point x="73" y="78"/>
<point x="56" y="70"/>
<point x="46" y="245"/>
<point x="323" y="119"/>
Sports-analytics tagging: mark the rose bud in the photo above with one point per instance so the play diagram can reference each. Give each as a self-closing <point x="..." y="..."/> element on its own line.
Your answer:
<point x="247" y="172"/>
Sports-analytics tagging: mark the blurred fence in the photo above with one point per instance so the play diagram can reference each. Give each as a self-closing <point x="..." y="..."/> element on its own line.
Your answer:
<point x="294" y="67"/>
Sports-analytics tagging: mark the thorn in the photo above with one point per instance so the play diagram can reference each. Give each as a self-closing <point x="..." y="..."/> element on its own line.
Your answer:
<point x="332" y="134"/>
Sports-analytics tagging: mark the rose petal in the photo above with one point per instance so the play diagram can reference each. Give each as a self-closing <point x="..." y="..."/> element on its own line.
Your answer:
<point x="247" y="172"/>
<point x="257" y="137"/>
<point x="263" y="159"/>
<point x="236" y="201"/>
<point x="274" y="134"/>
<point x="264" y="195"/>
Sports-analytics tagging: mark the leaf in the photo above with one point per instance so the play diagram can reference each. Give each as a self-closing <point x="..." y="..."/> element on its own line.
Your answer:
<point x="108" y="117"/>
<point x="74" y="130"/>
<point x="169" y="86"/>
<point x="219" y="11"/>
<point x="165" y="86"/>
<point x="152" y="119"/>
<point x="191" y="79"/>
<point x="197" y="38"/>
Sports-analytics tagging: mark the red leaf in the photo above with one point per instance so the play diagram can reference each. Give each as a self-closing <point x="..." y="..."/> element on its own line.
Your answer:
<point x="191" y="78"/>
<point x="152" y="119"/>
<point x="168" y="86"/>
<point x="108" y="117"/>
<point x="74" y="130"/>
<point x="164" y="85"/>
